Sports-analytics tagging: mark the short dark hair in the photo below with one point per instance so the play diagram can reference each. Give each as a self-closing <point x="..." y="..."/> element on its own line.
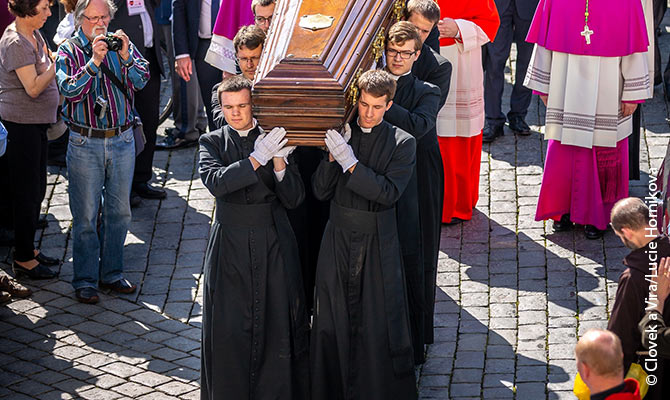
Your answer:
<point x="23" y="8"/>
<point x="262" y="3"/>
<point x="426" y="8"/>
<point x="403" y="31"/>
<point x="249" y="36"/>
<point x="630" y="213"/>
<point x="233" y="83"/>
<point x="378" y="83"/>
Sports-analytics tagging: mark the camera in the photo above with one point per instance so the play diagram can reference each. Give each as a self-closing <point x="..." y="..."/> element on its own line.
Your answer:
<point x="114" y="43"/>
<point x="100" y="108"/>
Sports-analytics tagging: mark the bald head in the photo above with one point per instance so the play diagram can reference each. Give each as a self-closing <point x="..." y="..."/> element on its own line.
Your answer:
<point x="630" y="213"/>
<point x="601" y="351"/>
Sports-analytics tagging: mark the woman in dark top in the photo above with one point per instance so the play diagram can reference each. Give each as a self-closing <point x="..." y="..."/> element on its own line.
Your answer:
<point x="28" y="102"/>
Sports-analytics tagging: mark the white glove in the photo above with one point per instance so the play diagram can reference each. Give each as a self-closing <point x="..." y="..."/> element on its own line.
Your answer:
<point x="340" y="150"/>
<point x="347" y="132"/>
<point x="284" y="153"/>
<point x="266" y="147"/>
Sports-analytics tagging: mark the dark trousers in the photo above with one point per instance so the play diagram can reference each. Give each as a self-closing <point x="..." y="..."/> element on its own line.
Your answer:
<point x="659" y="11"/>
<point x="208" y="76"/>
<point x="26" y="163"/>
<point x="147" y="104"/>
<point x="512" y="29"/>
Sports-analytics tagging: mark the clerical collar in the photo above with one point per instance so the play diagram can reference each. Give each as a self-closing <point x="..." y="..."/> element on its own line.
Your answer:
<point x="245" y="133"/>
<point x="396" y="77"/>
<point x="365" y="130"/>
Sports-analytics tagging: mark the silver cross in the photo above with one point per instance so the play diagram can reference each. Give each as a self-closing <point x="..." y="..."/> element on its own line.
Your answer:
<point x="587" y="34"/>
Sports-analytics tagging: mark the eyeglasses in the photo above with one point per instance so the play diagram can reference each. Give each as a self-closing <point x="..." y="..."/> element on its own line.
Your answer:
<point x="96" y="20"/>
<point x="405" y="55"/>
<point x="262" y="20"/>
<point x="247" y="60"/>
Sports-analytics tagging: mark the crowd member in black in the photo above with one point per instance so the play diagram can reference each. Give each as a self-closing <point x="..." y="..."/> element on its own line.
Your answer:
<point x="430" y="67"/>
<point x="360" y="342"/>
<point x="146" y="35"/>
<point x="255" y="327"/>
<point x="414" y="110"/>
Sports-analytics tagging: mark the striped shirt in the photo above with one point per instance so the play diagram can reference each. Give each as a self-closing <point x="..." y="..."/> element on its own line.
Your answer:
<point x="81" y="82"/>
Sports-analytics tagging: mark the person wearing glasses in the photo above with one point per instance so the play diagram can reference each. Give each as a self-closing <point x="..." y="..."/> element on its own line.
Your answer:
<point x="414" y="110"/>
<point x="263" y="10"/>
<point x="101" y="149"/>
<point x="248" y="44"/>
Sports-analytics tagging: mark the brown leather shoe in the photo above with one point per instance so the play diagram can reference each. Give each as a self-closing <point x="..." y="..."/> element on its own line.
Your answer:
<point x="11" y="286"/>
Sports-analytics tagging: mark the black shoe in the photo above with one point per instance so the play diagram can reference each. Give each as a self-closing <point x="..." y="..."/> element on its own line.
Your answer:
<point x="564" y="224"/>
<point x="518" y="125"/>
<point x="173" y="141"/>
<point x="146" y="191"/>
<point x="42" y="222"/>
<point x="46" y="260"/>
<point x="87" y="295"/>
<point x="120" y="286"/>
<point x="490" y="133"/>
<point x="39" y="272"/>
<point x="135" y="200"/>
<point x="593" y="233"/>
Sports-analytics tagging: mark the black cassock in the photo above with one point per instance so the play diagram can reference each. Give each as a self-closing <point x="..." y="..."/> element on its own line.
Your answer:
<point x="432" y="68"/>
<point x="414" y="110"/>
<point x="255" y="328"/>
<point x="360" y="344"/>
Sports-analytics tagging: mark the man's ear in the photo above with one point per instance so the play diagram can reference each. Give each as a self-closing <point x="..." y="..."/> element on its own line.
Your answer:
<point x="388" y="105"/>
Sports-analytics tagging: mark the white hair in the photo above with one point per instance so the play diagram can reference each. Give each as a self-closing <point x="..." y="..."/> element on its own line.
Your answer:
<point x="81" y="6"/>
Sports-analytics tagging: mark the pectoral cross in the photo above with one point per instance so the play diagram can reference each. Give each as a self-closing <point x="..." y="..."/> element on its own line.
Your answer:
<point x="587" y="34"/>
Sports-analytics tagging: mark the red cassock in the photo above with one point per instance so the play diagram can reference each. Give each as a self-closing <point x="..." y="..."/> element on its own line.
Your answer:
<point x="461" y="153"/>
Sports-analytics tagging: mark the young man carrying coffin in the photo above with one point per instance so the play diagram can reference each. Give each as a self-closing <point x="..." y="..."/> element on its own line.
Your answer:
<point x="430" y="67"/>
<point x="414" y="110"/>
<point x="254" y="334"/>
<point x="360" y="344"/>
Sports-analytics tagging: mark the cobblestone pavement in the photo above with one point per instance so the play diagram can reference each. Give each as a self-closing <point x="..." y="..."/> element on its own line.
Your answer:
<point x="512" y="299"/>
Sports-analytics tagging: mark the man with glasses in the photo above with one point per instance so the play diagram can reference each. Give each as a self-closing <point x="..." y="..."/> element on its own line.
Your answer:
<point x="248" y="44"/>
<point x="432" y="68"/>
<point x="414" y="110"/>
<point x="263" y="10"/>
<point x="101" y="150"/>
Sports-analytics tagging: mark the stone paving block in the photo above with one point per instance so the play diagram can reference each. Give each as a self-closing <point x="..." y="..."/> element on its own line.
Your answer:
<point x="465" y="390"/>
<point x="106" y="381"/>
<point x="122" y="370"/>
<point x="132" y="389"/>
<point x="499" y="365"/>
<point x="530" y="390"/>
<point x="175" y="388"/>
<point x="99" y="394"/>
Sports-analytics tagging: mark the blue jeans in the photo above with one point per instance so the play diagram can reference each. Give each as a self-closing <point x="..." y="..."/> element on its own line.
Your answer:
<point x="100" y="172"/>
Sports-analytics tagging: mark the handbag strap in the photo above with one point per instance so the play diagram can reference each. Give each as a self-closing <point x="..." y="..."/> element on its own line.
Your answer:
<point x="105" y="69"/>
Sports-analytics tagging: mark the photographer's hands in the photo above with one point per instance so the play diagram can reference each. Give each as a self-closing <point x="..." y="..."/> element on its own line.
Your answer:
<point x="100" y="47"/>
<point x="124" y="52"/>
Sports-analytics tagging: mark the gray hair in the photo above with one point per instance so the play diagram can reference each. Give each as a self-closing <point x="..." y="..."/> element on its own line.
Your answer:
<point x="82" y="5"/>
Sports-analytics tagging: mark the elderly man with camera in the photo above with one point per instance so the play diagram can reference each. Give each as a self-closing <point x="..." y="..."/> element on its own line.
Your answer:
<point x="98" y="73"/>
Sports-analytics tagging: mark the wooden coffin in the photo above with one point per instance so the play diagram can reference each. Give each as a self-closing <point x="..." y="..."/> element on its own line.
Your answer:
<point x="306" y="77"/>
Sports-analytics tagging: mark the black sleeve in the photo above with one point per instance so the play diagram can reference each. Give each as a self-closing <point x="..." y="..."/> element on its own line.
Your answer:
<point x="386" y="188"/>
<point x="420" y="120"/>
<point x="628" y="303"/>
<point x="218" y="176"/>
<point x="291" y="190"/>
<point x="441" y="77"/>
<point x="324" y="179"/>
